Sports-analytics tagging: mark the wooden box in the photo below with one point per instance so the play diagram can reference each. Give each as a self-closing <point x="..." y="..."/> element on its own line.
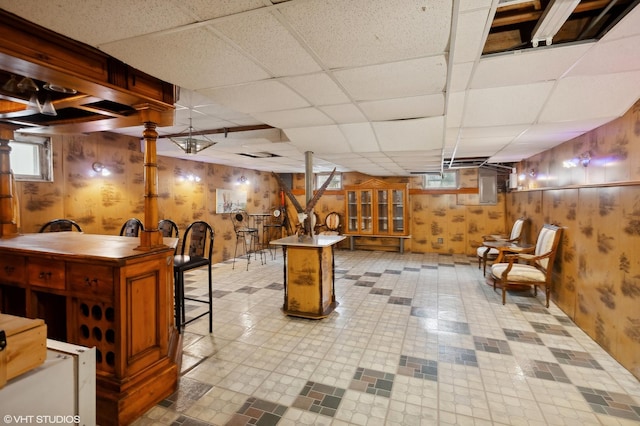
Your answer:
<point x="26" y="346"/>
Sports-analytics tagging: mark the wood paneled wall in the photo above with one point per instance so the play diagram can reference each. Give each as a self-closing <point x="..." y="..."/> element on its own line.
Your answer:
<point x="102" y="204"/>
<point x="444" y="222"/>
<point x="598" y="277"/>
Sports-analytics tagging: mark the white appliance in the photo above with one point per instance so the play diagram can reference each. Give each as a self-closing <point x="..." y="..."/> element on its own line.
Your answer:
<point x="60" y="391"/>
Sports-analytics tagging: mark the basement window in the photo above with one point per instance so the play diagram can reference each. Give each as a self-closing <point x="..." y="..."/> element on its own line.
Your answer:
<point x="446" y="180"/>
<point x="31" y="159"/>
<point x="336" y="181"/>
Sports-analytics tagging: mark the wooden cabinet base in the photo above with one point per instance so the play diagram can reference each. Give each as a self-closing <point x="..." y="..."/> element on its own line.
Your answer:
<point x="309" y="275"/>
<point x="310" y="315"/>
<point x="122" y="403"/>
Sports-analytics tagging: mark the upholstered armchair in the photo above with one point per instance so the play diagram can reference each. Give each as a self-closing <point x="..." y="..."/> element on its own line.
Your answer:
<point x="534" y="269"/>
<point x="485" y="253"/>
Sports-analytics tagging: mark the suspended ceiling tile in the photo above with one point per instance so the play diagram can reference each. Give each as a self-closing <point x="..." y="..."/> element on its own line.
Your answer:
<point x="101" y="22"/>
<point x="370" y="31"/>
<point x="344" y="156"/>
<point x="535" y="136"/>
<point x="565" y="127"/>
<point x="283" y="149"/>
<point x="610" y="57"/>
<point x="517" y="151"/>
<point x="627" y="27"/>
<point x="360" y="137"/>
<point x="323" y="139"/>
<point x="460" y="76"/>
<point x="410" y="135"/>
<point x="395" y="80"/>
<point x="413" y="107"/>
<point x="258" y="34"/>
<point x="514" y="156"/>
<point x="205" y="10"/>
<point x="408" y="155"/>
<point x="301" y="117"/>
<point x="260" y="96"/>
<point x="475" y="152"/>
<point x="469" y="38"/>
<point x="203" y="59"/>
<point x="376" y="156"/>
<point x="468" y="5"/>
<point x="503" y="106"/>
<point x="472" y="147"/>
<point x="493" y="132"/>
<point x="589" y="97"/>
<point x="527" y="66"/>
<point x="345" y="113"/>
<point x="455" y="108"/>
<point x="558" y="132"/>
<point x="244" y="121"/>
<point x="451" y="136"/>
<point x="318" y="89"/>
<point x="191" y="99"/>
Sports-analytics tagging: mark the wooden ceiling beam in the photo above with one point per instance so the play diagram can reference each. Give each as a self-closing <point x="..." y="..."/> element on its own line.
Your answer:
<point x="32" y="51"/>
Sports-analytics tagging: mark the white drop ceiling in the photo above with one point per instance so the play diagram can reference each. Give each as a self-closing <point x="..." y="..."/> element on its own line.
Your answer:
<point x="383" y="87"/>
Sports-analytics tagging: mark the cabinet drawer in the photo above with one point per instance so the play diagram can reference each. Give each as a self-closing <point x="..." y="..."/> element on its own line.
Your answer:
<point x="93" y="280"/>
<point x="12" y="269"/>
<point x="46" y="273"/>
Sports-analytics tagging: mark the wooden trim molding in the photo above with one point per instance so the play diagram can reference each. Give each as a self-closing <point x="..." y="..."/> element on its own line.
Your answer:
<point x="416" y="191"/>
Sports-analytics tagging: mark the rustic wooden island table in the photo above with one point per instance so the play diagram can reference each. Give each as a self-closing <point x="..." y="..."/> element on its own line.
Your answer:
<point x="100" y="291"/>
<point x="309" y="275"/>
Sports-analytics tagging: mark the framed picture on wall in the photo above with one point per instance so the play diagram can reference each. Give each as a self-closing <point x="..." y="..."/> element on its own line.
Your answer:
<point x="228" y="200"/>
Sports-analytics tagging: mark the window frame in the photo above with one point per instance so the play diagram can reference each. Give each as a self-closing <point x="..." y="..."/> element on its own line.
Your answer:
<point x="44" y="160"/>
<point x="322" y="177"/>
<point x="438" y="182"/>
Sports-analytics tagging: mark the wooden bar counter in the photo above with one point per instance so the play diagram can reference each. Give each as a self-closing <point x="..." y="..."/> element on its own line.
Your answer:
<point x="309" y="275"/>
<point x="99" y="290"/>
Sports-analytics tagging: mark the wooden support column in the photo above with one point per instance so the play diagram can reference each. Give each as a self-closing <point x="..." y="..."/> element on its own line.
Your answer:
<point x="8" y="204"/>
<point x="151" y="237"/>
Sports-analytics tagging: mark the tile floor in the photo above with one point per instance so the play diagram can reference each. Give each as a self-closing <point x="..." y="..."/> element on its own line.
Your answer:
<point x="418" y="339"/>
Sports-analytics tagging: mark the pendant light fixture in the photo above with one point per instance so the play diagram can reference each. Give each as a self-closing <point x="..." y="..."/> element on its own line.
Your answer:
<point x="189" y="143"/>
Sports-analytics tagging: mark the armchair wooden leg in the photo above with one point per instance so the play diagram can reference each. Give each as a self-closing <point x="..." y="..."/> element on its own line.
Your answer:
<point x="504" y="295"/>
<point x="547" y="291"/>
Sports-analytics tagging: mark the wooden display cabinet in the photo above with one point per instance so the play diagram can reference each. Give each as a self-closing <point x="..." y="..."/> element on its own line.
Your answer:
<point x="376" y="209"/>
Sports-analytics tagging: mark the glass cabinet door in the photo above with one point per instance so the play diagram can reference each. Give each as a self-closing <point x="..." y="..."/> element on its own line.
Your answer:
<point x="352" y="211"/>
<point x="397" y="210"/>
<point x="366" y="210"/>
<point x="383" y="211"/>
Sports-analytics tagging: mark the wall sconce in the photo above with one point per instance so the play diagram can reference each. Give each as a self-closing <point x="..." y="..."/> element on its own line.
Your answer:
<point x="242" y="180"/>
<point x="533" y="173"/>
<point x="585" y="159"/>
<point x="100" y="169"/>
